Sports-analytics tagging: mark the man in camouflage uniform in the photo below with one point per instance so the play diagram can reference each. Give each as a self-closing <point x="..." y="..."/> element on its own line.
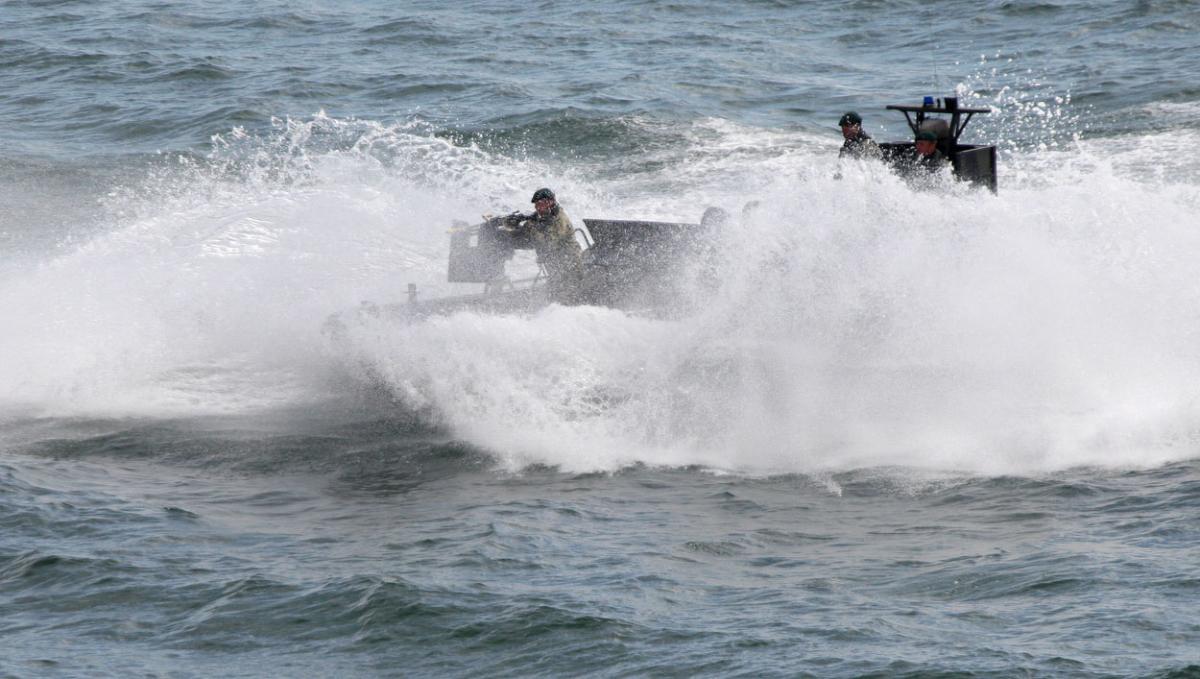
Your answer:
<point x="926" y="155"/>
<point x="550" y="232"/>
<point x="857" y="144"/>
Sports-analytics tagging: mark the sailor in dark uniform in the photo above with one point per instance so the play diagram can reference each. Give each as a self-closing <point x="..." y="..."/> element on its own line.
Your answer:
<point x="552" y="236"/>
<point x="858" y="144"/>
<point x="926" y="155"/>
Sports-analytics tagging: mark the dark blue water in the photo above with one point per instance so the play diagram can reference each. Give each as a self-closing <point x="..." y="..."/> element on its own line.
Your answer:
<point x="916" y="433"/>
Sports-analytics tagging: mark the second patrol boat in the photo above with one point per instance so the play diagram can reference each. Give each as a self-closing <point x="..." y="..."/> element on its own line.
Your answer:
<point x="975" y="163"/>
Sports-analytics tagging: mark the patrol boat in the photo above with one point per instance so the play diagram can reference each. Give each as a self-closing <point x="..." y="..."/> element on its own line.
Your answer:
<point x="975" y="163"/>
<point x="648" y="267"/>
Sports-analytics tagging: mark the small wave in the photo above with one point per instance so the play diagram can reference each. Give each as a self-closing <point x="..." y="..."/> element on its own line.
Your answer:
<point x="206" y="71"/>
<point x="34" y="570"/>
<point x="1024" y="8"/>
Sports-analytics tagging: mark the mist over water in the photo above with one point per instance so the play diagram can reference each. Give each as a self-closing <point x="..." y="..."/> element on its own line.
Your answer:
<point x="1033" y="330"/>
<point x="859" y="321"/>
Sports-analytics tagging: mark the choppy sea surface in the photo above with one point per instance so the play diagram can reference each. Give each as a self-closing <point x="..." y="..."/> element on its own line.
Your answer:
<point x="917" y="432"/>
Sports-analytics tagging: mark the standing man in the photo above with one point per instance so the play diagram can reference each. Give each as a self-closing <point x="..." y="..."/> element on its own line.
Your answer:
<point x="858" y="144"/>
<point x="553" y="238"/>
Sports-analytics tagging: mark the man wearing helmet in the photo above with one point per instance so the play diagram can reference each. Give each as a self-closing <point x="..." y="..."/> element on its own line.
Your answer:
<point x="857" y="144"/>
<point x="550" y="232"/>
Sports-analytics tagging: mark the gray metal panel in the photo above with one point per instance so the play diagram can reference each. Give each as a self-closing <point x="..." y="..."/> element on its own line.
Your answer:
<point x="977" y="164"/>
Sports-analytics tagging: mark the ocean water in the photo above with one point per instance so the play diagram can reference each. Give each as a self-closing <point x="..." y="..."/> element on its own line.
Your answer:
<point x="917" y="432"/>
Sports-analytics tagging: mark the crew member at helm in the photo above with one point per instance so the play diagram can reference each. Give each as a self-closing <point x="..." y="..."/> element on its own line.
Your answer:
<point x="550" y="232"/>
<point x="926" y="154"/>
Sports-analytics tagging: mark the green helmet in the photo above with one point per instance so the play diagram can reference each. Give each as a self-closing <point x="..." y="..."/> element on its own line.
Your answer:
<point x="850" y="118"/>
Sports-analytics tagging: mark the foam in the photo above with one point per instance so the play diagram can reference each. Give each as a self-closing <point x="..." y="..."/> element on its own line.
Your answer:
<point x="861" y="322"/>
